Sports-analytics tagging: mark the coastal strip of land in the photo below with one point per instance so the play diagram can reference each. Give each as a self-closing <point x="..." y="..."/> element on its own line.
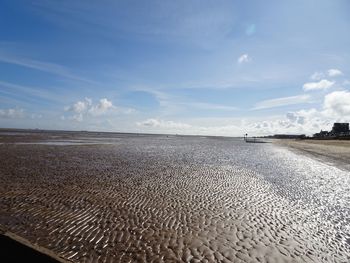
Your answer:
<point x="334" y="151"/>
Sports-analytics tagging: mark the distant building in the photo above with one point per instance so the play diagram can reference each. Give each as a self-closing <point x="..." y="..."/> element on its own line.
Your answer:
<point x="321" y="134"/>
<point x="339" y="128"/>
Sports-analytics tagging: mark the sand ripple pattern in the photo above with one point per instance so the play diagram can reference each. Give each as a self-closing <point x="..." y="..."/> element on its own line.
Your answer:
<point x="155" y="200"/>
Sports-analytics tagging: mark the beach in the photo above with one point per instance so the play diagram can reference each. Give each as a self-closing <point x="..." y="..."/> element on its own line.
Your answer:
<point x="98" y="197"/>
<point x="336" y="151"/>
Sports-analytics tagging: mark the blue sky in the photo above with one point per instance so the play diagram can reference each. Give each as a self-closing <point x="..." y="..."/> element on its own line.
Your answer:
<point x="189" y="67"/>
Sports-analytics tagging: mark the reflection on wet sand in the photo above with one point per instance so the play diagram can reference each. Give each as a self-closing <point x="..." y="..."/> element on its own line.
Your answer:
<point x="161" y="199"/>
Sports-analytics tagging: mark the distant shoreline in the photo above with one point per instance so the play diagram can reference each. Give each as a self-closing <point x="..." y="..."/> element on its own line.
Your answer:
<point x="91" y="132"/>
<point x="334" y="151"/>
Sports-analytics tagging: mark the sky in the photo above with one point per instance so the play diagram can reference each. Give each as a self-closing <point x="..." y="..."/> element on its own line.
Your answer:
<point x="176" y="67"/>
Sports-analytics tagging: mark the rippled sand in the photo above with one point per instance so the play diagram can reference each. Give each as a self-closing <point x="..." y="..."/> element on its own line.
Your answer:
<point x="172" y="199"/>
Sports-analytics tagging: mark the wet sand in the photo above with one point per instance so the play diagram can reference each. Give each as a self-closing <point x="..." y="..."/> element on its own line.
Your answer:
<point x="337" y="151"/>
<point x="172" y="199"/>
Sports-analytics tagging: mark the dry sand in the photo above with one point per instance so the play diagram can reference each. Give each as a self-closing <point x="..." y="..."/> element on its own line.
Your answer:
<point x="151" y="200"/>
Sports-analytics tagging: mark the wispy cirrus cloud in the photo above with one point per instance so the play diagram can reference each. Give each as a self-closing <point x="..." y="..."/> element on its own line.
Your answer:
<point x="198" y="23"/>
<point x="47" y="67"/>
<point x="209" y="106"/>
<point x="284" y="101"/>
<point x="16" y="89"/>
<point x="173" y="102"/>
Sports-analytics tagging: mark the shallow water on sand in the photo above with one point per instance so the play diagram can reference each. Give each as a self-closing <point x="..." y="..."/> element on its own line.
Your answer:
<point x="65" y="142"/>
<point x="169" y="198"/>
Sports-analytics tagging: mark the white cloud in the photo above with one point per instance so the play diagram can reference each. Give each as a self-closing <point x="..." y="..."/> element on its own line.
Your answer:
<point x="299" y="122"/>
<point x="80" y="106"/>
<point x="321" y="85"/>
<point x="337" y="104"/>
<point x="101" y="107"/>
<point x="244" y="58"/>
<point x="317" y="76"/>
<point x="84" y="107"/>
<point x="77" y="117"/>
<point x="266" y="104"/>
<point x="331" y="73"/>
<point x="149" y="123"/>
<point x="162" y="124"/>
<point x="336" y="107"/>
<point x="11" y="113"/>
<point x="334" y="72"/>
<point x="293" y="123"/>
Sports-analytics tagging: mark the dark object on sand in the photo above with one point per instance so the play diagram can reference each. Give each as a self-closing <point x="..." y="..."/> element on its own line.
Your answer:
<point x="254" y="140"/>
<point x="13" y="251"/>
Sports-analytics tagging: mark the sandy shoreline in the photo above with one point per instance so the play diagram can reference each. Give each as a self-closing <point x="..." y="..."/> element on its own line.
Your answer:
<point x="332" y="151"/>
<point x="174" y="199"/>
